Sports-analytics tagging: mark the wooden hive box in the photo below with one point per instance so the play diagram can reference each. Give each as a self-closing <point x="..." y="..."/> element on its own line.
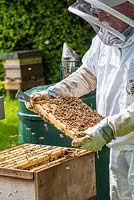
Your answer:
<point x="39" y="172"/>
<point x="23" y="69"/>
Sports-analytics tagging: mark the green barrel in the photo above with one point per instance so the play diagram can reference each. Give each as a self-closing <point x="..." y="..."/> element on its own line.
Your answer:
<point x="101" y="159"/>
<point x="102" y="174"/>
<point x="32" y="129"/>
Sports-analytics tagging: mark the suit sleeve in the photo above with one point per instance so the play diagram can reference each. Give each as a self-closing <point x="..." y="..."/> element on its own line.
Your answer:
<point x="122" y="123"/>
<point x="77" y="84"/>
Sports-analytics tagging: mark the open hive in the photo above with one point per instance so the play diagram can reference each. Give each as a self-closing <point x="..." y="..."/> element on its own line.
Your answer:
<point x="69" y="114"/>
<point x="33" y="157"/>
<point x="39" y="172"/>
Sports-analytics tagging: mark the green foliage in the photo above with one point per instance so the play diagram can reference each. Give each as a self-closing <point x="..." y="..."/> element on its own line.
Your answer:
<point x="9" y="125"/>
<point x="43" y="25"/>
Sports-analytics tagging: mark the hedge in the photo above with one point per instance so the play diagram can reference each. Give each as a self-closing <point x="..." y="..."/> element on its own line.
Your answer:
<point x="43" y="25"/>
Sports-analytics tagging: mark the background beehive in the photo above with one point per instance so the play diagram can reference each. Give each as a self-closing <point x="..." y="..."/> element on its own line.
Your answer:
<point x="69" y="114"/>
<point x="23" y="69"/>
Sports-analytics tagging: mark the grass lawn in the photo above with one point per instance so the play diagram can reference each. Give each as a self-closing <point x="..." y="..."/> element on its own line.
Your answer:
<point x="9" y="125"/>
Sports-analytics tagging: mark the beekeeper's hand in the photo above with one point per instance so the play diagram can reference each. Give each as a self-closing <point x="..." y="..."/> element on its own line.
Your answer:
<point x="95" y="137"/>
<point x="38" y="96"/>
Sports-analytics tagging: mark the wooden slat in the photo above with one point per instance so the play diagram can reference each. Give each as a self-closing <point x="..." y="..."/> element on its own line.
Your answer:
<point x="46" y="165"/>
<point x="24" y="157"/>
<point x="21" y="155"/>
<point x="55" y="162"/>
<point x="52" y="154"/>
<point x="29" y="156"/>
<point x="15" y="173"/>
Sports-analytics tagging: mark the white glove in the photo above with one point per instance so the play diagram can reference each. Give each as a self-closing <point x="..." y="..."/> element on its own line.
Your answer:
<point x="122" y="123"/>
<point x="38" y="96"/>
<point x="111" y="127"/>
<point x="92" y="141"/>
<point x="95" y="137"/>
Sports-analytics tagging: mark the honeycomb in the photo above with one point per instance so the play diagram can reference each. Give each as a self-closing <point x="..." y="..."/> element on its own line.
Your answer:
<point x="69" y="114"/>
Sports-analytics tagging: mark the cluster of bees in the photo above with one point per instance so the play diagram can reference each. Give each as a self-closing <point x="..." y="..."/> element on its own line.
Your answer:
<point x="72" y="112"/>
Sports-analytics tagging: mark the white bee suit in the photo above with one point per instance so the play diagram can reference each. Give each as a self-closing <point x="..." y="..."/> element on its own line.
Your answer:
<point x="113" y="68"/>
<point x="108" y="66"/>
<point x="111" y="61"/>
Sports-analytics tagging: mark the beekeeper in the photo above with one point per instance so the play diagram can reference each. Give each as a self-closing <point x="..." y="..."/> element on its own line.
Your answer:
<point x="108" y="67"/>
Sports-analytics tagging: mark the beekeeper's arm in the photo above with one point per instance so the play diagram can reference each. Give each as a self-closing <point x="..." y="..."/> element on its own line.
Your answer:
<point x="77" y="84"/>
<point x="109" y="128"/>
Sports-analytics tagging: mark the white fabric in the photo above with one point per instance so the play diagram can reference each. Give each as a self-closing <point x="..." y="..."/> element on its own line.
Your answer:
<point x="95" y="21"/>
<point x="93" y="141"/>
<point x="113" y="68"/>
<point x="77" y="84"/>
<point x="112" y="3"/>
<point x="84" y="9"/>
<point x="112" y="11"/>
<point x="110" y="40"/>
<point x="123" y="122"/>
<point x="121" y="175"/>
<point x="37" y="96"/>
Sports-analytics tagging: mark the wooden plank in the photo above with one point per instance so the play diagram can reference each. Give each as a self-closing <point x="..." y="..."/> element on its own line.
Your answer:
<point x="55" y="162"/>
<point x="12" y="86"/>
<point x="47" y="165"/>
<point x="72" y="179"/>
<point x="21" y="54"/>
<point x="16" y="189"/>
<point x="11" y="63"/>
<point x="16" y="173"/>
<point x="34" y="60"/>
<point x="12" y="73"/>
